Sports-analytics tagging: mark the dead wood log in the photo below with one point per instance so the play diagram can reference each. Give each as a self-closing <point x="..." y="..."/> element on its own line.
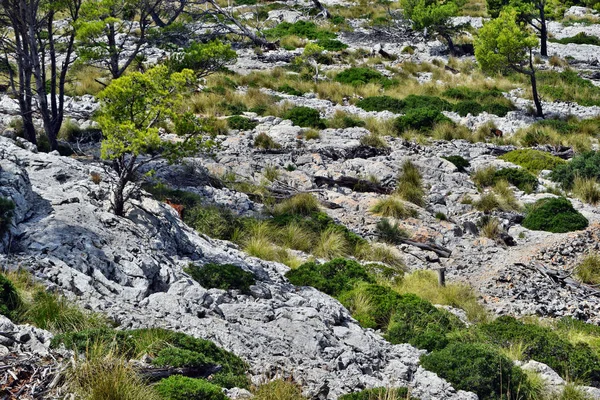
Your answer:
<point x="436" y="248"/>
<point x="358" y="185"/>
<point x="153" y="374"/>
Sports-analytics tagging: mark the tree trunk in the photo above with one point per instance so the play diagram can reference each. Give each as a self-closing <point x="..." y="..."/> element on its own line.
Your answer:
<point x="119" y="197"/>
<point x="448" y="39"/>
<point x="534" y="91"/>
<point x="543" y="33"/>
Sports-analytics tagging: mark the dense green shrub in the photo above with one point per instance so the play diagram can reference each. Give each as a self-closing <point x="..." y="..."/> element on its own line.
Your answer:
<point x="179" y="387"/>
<point x="303" y="29"/>
<point x="215" y="221"/>
<point x="264" y="141"/>
<point x="580" y="38"/>
<point x="241" y="123"/>
<point x="378" y="393"/>
<point x="10" y="301"/>
<point x="478" y="368"/>
<point x="133" y="343"/>
<point x="305" y="117"/>
<point x="467" y="107"/>
<point x="585" y="165"/>
<point x="7" y="207"/>
<point x="381" y="103"/>
<point x="466" y="93"/>
<point x="333" y="277"/>
<point x="518" y="177"/>
<point x="555" y="215"/>
<point x="499" y="109"/>
<point x="221" y="276"/>
<point x="180" y="358"/>
<point x="420" y="119"/>
<point x="418" y="322"/>
<point x="381" y="304"/>
<point x="544" y="345"/>
<point x="203" y="58"/>
<point x="459" y="162"/>
<point x="359" y="76"/>
<point x="289" y="90"/>
<point x="533" y="161"/>
<point x="332" y="44"/>
<point x="413" y="102"/>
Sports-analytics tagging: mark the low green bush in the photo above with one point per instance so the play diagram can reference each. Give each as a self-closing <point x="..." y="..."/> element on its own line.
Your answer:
<point x="381" y="302"/>
<point x="333" y="277"/>
<point x="555" y="215"/>
<point x="585" y="165"/>
<point x="305" y="117"/>
<point x="421" y="119"/>
<point x="415" y="102"/>
<point x="381" y="103"/>
<point x="533" y="161"/>
<point x="379" y="393"/>
<point x="289" y="90"/>
<point x="459" y="162"/>
<point x="179" y="387"/>
<point x="221" y="276"/>
<point x="466" y="93"/>
<point x="544" y="345"/>
<point x="500" y="109"/>
<point x="134" y="343"/>
<point x="180" y="358"/>
<point x="332" y="44"/>
<point x="304" y="29"/>
<point x="478" y="368"/>
<point x="7" y="207"/>
<point x="359" y="76"/>
<point x="580" y="38"/>
<point x="418" y="322"/>
<point x="10" y="301"/>
<point x="264" y="141"/>
<point x="214" y="221"/>
<point x="518" y="177"/>
<point x="241" y="123"/>
<point x="468" y="107"/>
<point x="203" y="58"/>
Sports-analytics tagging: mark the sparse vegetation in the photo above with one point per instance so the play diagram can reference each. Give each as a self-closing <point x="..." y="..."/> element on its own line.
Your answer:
<point x="588" y="270"/>
<point x="393" y="207"/>
<point x="410" y="184"/>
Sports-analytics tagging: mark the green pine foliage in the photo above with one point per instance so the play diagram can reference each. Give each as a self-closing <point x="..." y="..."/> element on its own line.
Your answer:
<point x="222" y="276"/>
<point x="555" y="215"/>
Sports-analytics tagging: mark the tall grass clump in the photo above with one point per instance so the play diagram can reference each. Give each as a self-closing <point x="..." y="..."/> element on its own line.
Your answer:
<point x="410" y="184"/>
<point x="588" y="271"/>
<point x="586" y="189"/>
<point x="393" y="207"/>
<point x="301" y="204"/>
<point x="279" y="390"/>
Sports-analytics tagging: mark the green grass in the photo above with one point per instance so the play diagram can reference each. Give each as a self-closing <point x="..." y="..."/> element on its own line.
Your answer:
<point x="586" y="189"/>
<point x="533" y="161"/>
<point x="410" y="184"/>
<point x="588" y="271"/>
<point x="392" y="207"/>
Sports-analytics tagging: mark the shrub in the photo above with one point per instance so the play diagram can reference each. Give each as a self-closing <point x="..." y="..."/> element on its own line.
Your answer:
<point x="179" y="387"/>
<point x="393" y="207"/>
<point x="332" y="44"/>
<point x="544" y="345"/>
<point x="477" y="368"/>
<point x="532" y="160"/>
<point x="372" y="140"/>
<point x="418" y="322"/>
<point x="301" y="204"/>
<point x="203" y="58"/>
<point x="214" y="221"/>
<point x="518" y="177"/>
<point x="333" y="277"/>
<point x="468" y="107"/>
<point x="221" y="276"/>
<point x="7" y="207"/>
<point x="305" y="117"/>
<point x="459" y="162"/>
<point x="241" y="123"/>
<point x="420" y="119"/>
<point x="585" y="165"/>
<point x="580" y="38"/>
<point x="410" y="184"/>
<point x="359" y="76"/>
<point x="342" y="120"/>
<point x="10" y="301"/>
<point x="484" y="177"/>
<point x="264" y="141"/>
<point x="555" y="215"/>
<point x="586" y="190"/>
<point x="381" y="103"/>
<point x="588" y="271"/>
<point x="55" y="313"/>
<point x="381" y="302"/>
<point x="278" y="390"/>
<point x="379" y="394"/>
<point x="388" y="233"/>
<point x="415" y="102"/>
<point x="289" y="90"/>
<point x="180" y="358"/>
<point x="305" y="29"/>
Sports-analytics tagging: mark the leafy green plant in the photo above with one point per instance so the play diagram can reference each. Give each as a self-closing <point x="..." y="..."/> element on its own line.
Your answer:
<point x="379" y="394"/>
<point x="332" y="44"/>
<point x="585" y="165"/>
<point x="221" y="276"/>
<point x="264" y="141"/>
<point x="333" y="277"/>
<point x="468" y="107"/>
<point x="241" y="123"/>
<point x="420" y="119"/>
<point x="532" y="160"/>
<point x="478" y="368"/>
<point x="305" y="29"/>
<point x="580" y="38"/>
<point x="518" y="177"/>
<point x="359" y="76"/>
<point x="7" y="207"/>
<point x="381" y="103"/>
<point x="305" y="117"/>
<point x="179" y="387"/>
<point x="289" y="90"/>
<point x="459" y="162"/>
<point x="10" y="301"/>
<point x="381" y="302"/>
<point x="555" y="215"/>
<point x="203" y="58"/>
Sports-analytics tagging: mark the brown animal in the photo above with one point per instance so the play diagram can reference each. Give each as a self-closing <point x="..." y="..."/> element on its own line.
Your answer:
<point x="496" y="132"/>
<point x="177" y="207"/>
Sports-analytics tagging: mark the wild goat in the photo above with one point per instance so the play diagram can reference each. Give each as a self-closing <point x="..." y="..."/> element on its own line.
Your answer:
<point x="496" y="132"/>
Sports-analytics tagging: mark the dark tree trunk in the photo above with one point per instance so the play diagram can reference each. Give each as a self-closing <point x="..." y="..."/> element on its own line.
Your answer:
<point x="543" y="32"/>
<point x="534" y="91"/>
